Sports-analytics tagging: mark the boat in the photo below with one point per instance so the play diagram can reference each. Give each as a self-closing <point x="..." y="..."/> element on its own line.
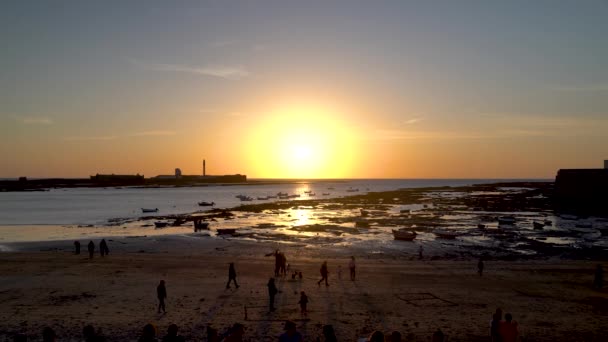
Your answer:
<point x="226" y="231"/>
<point x="352" y="190"/>
<point x="445" y="234"/>
<point x="161" y="224"/>
<point x="538" y="225"/>
<point x="282" y="194"/>
<point x="326" y="194"/>
<point x="404" y="211"/>
<point x="481" y="226"/>
<point x="200" y="225"/>
<point x="311" y="194"/>
<point x="506" y="220"/>
<point x="404" y="234"/>
<point x="148" y="210"/>
<point x="246" y="199"/>
<point x="206" y="204"/>
<point x="263" y="198"/>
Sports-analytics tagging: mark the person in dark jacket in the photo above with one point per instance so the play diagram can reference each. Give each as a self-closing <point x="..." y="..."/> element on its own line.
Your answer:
<point x="161" y="293"/>
<point x="91" y="248"/>
<point x="76" y="247"/>
<point x="148" y="334"/>
<point x="324" y="273"/>
<point x="480" y="266"/>
<point x="103" y="247"/>
<point x="303" y="304"/>
<point x="272" y="291"/>
<point x="231" y="276"/>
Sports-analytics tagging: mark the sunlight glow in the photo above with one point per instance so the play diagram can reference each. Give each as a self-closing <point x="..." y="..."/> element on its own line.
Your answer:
<point x="299" y="141"/>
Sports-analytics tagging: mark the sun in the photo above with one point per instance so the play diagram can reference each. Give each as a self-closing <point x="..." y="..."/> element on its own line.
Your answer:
<point x="301" y="142"/>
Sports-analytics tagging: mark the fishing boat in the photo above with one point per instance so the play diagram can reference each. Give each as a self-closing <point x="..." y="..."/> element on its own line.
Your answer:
<point x="160" y="224"/>
<point x="226" y="231"/>
<point x="206" y="204"/>
<point x="352" y="190"/>
<point x="508" y="220"/>
<point x="200" y="225"/>
<point x="404" y="234"/>
<point x="445" y="234"/>
<point x="282" y="194"/>
<point x="263" y="198"/>
<point x="148" y="210"/>
<point x="326" y="194"/>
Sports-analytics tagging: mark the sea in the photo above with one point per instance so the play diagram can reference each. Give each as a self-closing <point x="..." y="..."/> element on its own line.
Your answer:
<point x="99" y="206"/>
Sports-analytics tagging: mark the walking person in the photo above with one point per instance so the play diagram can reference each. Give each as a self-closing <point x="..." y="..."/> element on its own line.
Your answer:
<point x="231" y="276"/>
<point x="77" y="247"/>
<point x="303" y="303"/>
<point x="91" y="248"/>
<point x="272" y="291"/>
<point x="480" y="266"/>
<point x="324" y="273"/>
<point x="103" y="248"/>
<point x="161" y="294"/>
<point x="352" y="266"/>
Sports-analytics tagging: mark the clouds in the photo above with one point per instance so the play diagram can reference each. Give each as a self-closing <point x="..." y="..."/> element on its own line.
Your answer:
<point x="222" y="71"/>
<point x="142" y="134"/>
<point x="29" y="120"/>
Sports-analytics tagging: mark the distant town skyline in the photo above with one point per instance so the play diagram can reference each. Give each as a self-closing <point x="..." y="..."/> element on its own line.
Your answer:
<point x="341" y="89"/>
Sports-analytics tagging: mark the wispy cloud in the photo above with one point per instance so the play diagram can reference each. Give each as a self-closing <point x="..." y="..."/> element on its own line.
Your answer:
<point x="153" y="133"/>
<point x="412" y="121"/>
<point x="92" y="138"/>
<point x="27" y="120"/>
<point x="592" y="87"/>
<point x="225" y="72"/>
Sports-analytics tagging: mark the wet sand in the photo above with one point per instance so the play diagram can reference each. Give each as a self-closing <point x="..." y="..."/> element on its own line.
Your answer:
<point x="552" y="299"/>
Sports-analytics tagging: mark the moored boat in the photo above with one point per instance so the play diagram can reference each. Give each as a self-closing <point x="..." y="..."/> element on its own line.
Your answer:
<point x="206" y="204"/>
<point x="161" y="224"/>
<point x="506" y="220"/>
<point x="445" y="234"/>
<point x="226" y="231"/>
<point x="149" y="210"/>
<point x="404" y="235"/>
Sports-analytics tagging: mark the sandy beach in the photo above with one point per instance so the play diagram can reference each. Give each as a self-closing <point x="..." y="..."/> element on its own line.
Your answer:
<point x="551" y="298"/>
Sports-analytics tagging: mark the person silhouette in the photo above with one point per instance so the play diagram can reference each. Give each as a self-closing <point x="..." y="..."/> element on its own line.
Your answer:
<point x="352" y="267"/>
<point x="91" y="248"/>
<point x="480" y="266"/>
<point x="103" y="248"/>
<point x="231" y="276"/>
<point x="324" y="274"/>
<point x="172" y="335"/>
<point x="77" y="247"/>
<point x="161" y="294"/>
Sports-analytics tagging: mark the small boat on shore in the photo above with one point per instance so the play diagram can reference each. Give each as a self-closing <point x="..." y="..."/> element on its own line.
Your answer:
<point x="160" y="224"/>
<point x="352" y="190"/>
<point x="538" y="225"/>
<point x="206" y="204"/>
<point x="226" y="231"/>
<point x="148" y="210"/>
<point x="507" y="220"/>
<point x="326" y="194"/>
<point x="282" y="194"/>
<point x="445" y="234"/>
<point x="404" y="234"/>
<point x="263" y="198"/>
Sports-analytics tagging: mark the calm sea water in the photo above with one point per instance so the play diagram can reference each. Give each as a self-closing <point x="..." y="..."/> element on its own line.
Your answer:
<point x="98" y="205"/>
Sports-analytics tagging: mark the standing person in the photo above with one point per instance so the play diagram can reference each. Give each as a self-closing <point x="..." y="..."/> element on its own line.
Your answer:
<point x="480" y="266"/>
<point x="352" y="267"/>
<point x="161" y="293"/>
<point x="148" y="334"/>
<point x="103" y="248"/>
<point x="272" y="291"/>
<point x="495" y="326"/>
<point x="77" y="247"/>
<point x="598" y="280"/>
<point x="508" y="329"/>
<point x="438" y="336"/>
<point x="291" y="334"/>
<point x="48" y="335"/>
<point x="91" y="248"/>
<point x="420" y="250"/>
<point x="277" y="262"/>
<point x="324" y="273"/>
<point x="395" y="336"/>
<point x="303" y="302"/>
<point x="376" y="336"/>
<point x="231" y="276"/>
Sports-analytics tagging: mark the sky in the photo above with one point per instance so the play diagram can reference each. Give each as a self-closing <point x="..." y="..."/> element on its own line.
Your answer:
<point x="308" y="89"/>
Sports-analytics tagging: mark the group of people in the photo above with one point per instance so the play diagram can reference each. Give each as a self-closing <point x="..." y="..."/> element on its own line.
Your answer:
<point x="103" y="248"/>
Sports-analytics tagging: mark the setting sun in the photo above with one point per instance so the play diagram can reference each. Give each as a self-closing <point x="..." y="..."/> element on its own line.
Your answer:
<point x="301" y="141"/>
